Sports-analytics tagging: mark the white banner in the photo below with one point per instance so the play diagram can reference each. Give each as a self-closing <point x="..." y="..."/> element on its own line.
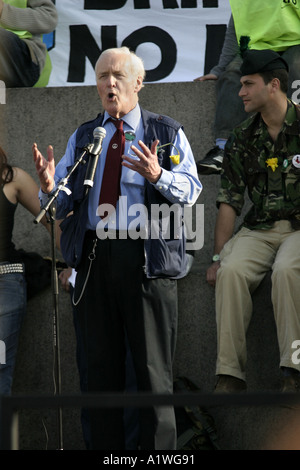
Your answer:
<point x="178" y="40"/>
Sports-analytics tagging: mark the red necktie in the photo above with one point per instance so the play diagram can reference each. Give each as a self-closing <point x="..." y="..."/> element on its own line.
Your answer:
<point x="110" y="188"/>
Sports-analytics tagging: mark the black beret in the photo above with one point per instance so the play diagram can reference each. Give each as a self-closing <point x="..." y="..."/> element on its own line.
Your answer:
<point x="255" y="61"/>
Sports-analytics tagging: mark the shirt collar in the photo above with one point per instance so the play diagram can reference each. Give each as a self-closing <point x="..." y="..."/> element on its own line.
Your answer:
<point x="131" y="119"/>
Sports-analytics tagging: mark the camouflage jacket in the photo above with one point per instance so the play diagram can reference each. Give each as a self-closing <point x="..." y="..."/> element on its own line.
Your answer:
<point x="269" y="170"/>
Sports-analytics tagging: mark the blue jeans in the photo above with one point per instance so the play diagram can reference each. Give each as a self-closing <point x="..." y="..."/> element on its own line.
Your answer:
<point x="12" y="310"/>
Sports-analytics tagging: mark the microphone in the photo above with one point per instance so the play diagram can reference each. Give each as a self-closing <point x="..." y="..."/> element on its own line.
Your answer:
<point x="95" y="150"/>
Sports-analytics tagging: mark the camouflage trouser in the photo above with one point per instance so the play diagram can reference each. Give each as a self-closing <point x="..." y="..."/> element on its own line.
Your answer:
<point x="245" y="259"/>
<point x="229" y="107"/>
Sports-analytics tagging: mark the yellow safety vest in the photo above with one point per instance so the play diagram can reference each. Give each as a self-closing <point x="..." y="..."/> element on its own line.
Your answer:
<point x="18" y="4"/>
<point x="270" y="24"/>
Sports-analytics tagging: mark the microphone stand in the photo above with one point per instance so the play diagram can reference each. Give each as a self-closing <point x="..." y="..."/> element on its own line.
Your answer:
<point x="50" y="209"/>
<point x="56" y="336"/>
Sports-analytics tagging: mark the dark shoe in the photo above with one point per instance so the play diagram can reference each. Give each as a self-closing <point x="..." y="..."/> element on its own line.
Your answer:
<point x="211" y="163"/>
<point x="229" y="384"/>
<point x="291" y="383"/>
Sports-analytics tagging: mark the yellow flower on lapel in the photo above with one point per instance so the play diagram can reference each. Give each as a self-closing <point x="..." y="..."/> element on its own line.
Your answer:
<point x="175" y="159"/>
<point x="273" y="163"/>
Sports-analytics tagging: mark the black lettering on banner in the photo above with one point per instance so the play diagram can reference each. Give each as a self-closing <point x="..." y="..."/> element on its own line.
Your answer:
<point x="215" y="34"/>
<point x="103" y="4"/>
<point x="189" y="4"/>
<point x="167" y="47"/>
<point x="83" y="44"/>
<point x="140" y="4"/>
<point x="210" y="4"/>
<point x="170" y="4"/>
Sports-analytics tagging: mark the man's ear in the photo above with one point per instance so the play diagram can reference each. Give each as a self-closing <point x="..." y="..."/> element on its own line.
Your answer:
<point x="275" y="84"/>
<point x="138" y="85"/>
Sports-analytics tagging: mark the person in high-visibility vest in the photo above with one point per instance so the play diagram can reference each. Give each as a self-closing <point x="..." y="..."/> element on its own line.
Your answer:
<point x="269" y="25"/>
<point x="23" y="54"/>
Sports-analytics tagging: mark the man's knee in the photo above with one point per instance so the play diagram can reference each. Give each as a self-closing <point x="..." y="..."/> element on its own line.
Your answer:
<point x="7" y="38"/>
<point x="233" y="266"/>
<point x="282" y="269"/>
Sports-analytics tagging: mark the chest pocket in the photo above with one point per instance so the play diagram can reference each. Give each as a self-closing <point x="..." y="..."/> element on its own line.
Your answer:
<point x="291" y="177"/>
<point x="256" y="179"/>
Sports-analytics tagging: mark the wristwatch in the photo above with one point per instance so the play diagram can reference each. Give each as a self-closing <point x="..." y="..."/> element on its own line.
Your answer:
<point x="215" y="258"/>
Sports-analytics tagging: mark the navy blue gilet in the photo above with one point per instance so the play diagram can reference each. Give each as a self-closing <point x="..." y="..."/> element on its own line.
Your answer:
<point x="165" y="257"/>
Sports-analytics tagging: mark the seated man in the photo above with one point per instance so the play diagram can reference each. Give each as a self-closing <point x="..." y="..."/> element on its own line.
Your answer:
<point x="261" y="156"/>
<point x="267" y="26"/>
<point x="22" y="51"/>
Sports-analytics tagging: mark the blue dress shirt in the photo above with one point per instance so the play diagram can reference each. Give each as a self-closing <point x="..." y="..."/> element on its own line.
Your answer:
<point x="179" y="185"/>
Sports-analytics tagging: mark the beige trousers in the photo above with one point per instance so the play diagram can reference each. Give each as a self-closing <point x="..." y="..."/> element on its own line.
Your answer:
<point x="245" y="260"/>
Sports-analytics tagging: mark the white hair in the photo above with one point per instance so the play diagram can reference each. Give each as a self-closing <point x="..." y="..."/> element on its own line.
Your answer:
<point x="136" y="63"/>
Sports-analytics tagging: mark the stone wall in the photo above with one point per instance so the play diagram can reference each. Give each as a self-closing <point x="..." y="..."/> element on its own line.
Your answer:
<point x="49" y="116"/>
